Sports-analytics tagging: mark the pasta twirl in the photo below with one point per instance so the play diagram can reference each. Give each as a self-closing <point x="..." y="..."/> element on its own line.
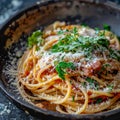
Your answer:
<point x="71" y="69"/>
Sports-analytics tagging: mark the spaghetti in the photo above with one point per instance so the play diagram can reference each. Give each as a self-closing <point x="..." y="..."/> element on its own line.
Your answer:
<point x="71" y="69"/>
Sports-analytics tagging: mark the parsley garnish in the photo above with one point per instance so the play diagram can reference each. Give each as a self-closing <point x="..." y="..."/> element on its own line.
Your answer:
<point x="92" y="83"/>
<point x="104" y="69"/>
<point x="115" y="54"/>
<point x="99" y="100"/>
<point x="97" y="30"/>
<point x="73" y="98"/>
<point x="101" y="33"/>
<point x="62" y="31"/>
<point x="75" y="30"/>
<point x="35" y="38"/>
<point x="61" y="68"/>
<point x="84" y="84"/>
<point x="110" y="87"/>
<point x="74" y="43"/>
<point x="112" y="35"/>
<point x="106" y="27"/>
<point x="105" y="66"/>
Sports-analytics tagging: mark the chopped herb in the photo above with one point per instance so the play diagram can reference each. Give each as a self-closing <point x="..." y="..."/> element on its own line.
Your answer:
<point x="64" y="45"/>
<point x="103" y="42"/>
<point x="112" y="35"/>
<point x="110" y="87"/>
<point x="73" y="43"/>
<point x="35" y="38"/>
<point x="115" y="54"/>
<point x="102" y="33"/>
<point x="62" y="31"/>
<point x="99" y="100"/>
<point x="105" y="66"/>
<point x="97" y="30"/>
<point x="90" y="80"/>
<point x="92" y="83"/>
<point x="56" y="62"/>
<point x="37" y="48"/>
<point x="61" y="68"/>
<point x="62" y="57"/>
<point x="75" y="30"/>
<point x="83" y="84"/>
<point x="106" y="27"/>
<point x="73" y="98"/>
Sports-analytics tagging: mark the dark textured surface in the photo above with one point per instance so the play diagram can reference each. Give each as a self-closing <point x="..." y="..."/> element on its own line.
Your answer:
<point x="8" y="111"/>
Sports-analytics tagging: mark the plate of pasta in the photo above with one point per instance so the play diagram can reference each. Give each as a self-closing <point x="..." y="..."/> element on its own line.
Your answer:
<point x="64" y="67"/>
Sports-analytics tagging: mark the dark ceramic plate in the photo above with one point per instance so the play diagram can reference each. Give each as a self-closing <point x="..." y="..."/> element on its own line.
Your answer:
<point x="14" y="35"/>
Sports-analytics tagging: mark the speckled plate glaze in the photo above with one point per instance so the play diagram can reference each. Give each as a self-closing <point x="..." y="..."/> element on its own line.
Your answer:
<point x="13" y="37"/>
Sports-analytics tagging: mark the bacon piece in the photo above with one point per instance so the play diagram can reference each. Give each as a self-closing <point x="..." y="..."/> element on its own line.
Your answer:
<point x="96" y="65"/>
<point x="92" y="68"/>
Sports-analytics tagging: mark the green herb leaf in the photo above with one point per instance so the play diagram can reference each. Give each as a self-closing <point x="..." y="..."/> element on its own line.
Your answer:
<point x="35" y="38"/>
<point x="61" y="68"/>
<point x="37" y="48"/>
<point x="73" y="43"/>
<point x="110" y="87"/>
<point x="99" y="100"/>
<point x="106" y="27"/>
<point x="93" y="84"/>
<point x="104" y="66"/>
<point x="56" y="62"/>
<point x="73" y="98"/>
<point x="115" y="54"/>
<point x="103" y="42"/>
<point x="90" y="80"/>
<point x="102" y="33"/>
<point x="104" y="69"/>
<point x="97" y="30"/>
<point x="75" y="30"/>
<point x="62" y="31"/>
<point x="83" y="84"/>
